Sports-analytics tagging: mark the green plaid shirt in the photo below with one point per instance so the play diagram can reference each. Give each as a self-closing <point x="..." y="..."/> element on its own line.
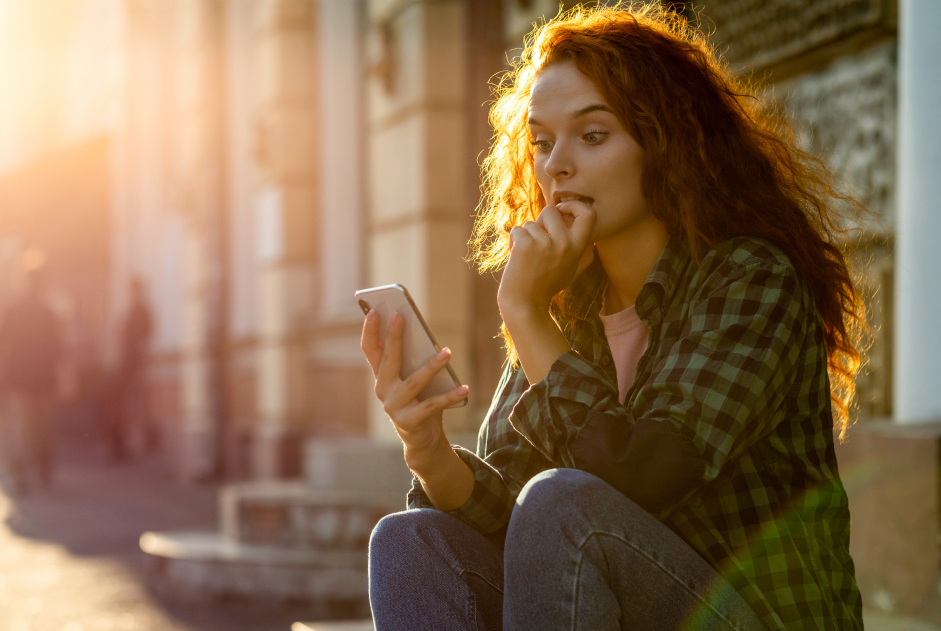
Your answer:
<point x="736" y="372"/>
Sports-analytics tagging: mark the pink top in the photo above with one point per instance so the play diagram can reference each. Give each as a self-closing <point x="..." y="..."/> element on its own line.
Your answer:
<point x="627" y="337"/>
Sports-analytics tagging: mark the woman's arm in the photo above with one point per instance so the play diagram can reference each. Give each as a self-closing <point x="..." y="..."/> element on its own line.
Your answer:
<point x="446" y="479"/>
<point x="546" y="256"/>
<point x="537" y="339"/>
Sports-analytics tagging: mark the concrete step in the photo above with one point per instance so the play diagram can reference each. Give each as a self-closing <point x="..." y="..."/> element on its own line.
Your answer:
<point x="197" y="565"/>
<point x="348" y="625"/>
<point x="363" y="464"/>
<point x="292" y="514"/>
<point x="358" y="464"/>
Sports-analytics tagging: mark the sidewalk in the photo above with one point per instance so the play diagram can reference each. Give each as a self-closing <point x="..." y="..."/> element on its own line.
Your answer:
<point x="70" y="561"/>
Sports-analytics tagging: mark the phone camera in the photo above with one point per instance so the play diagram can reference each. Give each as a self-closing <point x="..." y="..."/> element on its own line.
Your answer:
<point x="364" y="306"/>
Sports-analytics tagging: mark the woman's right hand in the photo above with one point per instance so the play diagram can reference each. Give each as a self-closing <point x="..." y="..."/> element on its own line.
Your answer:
<point x="418" y="423"/>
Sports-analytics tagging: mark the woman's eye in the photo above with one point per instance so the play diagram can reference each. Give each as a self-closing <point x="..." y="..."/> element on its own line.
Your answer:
<point x="594" y="137"/>
<point x="542" y="146"/>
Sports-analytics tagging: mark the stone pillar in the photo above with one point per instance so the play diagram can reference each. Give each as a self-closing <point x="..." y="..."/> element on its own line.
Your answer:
<point x="418" y="216"/>
<point x="285" y="229"/>
<point x="199" y="186"/>
<point x="338" y="369"/>
<point x="918" y="251"/>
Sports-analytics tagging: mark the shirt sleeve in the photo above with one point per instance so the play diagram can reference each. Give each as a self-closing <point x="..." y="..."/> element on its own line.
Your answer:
<point x="707" y="399"/>
<point x="504" y="462"/>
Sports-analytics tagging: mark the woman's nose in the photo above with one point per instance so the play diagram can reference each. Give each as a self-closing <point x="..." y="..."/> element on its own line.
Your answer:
<point x="559" y="164"/>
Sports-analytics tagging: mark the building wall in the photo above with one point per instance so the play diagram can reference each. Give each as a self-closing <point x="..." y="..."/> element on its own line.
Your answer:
<point x="351" y="161"/>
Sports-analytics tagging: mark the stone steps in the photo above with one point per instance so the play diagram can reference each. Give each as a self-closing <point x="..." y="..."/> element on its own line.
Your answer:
<point x="195" y="565"/>
<point x="303" y="540"/>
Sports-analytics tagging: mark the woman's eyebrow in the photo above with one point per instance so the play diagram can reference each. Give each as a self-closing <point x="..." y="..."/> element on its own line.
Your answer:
<point x="598" y="107"/>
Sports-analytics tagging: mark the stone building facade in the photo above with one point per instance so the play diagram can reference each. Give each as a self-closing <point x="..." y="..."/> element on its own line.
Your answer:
<point x="270" y="157"/>
<point x="335" y="145"/>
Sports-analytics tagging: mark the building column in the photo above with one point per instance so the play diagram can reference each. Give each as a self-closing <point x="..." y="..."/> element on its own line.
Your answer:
<point x="418" y="218"/>
<point x="286" y="230"/>
<point x="917" y="382"/>
<point x="338" y="369"/>
<point x="199" y="187"/>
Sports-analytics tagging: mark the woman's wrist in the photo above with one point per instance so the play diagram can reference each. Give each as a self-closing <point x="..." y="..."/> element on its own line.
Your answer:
<point x="425" y="459"/>
<point x="447" y="479"/>
<point x="537" y="338"/>
<point x="520" y="315"/>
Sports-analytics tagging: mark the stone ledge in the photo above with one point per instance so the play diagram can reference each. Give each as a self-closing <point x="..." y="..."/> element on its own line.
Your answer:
<point x="293" y="514"/>
<point x="348" y="625"/>
<point x="213" y="546"/>
<point x="200" y="565"/>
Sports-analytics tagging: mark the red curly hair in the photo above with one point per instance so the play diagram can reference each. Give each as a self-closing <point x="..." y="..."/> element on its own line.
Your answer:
<point x="718" y="162"/>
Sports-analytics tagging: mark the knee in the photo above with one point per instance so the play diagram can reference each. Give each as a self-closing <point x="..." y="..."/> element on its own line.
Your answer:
<point x="401" y="531"/>
<point x="553" y="493"/>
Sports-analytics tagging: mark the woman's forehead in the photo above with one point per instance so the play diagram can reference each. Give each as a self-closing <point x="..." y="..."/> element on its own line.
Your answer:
<point x="561" y="88"/>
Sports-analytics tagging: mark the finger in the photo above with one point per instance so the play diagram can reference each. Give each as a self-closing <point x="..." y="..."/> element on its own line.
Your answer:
<point x="537" y="232"/>
<point x="391" y="365"/>
<point x="405" y="392"/>
<point x="519" y="236"/>
<point x="553" y="221"/>
<point x="370" y="342"/>
<point x="584" y="222"/>
<point x="415" y="414"/>
<point x="541" y="218"/>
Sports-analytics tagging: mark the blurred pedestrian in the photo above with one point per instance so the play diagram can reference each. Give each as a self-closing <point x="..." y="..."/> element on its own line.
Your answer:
<point x="130" y="401"/>
<point x="30" y="354"/>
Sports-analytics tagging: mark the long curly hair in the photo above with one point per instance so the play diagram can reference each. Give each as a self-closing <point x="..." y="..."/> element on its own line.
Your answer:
<point x="719" y="162"/>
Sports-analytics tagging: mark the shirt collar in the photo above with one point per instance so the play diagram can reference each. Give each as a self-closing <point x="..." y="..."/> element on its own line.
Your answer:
<point x="587" y="292"/>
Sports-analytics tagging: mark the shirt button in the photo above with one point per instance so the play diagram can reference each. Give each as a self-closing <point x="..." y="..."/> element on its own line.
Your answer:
<point x="605" y="360"/>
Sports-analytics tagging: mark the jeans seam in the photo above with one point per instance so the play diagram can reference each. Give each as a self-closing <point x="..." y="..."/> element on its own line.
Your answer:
<point x="578" y="575"/>
<point x="485" y="579"/>
<point x="471" y="610"/>
<point x="652" y="560"/>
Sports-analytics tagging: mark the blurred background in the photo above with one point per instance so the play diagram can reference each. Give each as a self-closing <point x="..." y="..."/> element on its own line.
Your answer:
<point x="192" y="190"/>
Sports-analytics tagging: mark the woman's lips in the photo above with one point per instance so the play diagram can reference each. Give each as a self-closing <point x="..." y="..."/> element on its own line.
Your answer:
<point x="574" y="198"/>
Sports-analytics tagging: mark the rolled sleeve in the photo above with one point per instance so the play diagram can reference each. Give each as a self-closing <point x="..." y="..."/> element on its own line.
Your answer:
<point x="489" y="507"/>
<point x="551" y="413"/>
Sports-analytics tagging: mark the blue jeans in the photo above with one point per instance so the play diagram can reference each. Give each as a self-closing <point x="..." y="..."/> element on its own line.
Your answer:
<point x="578" y="555"/>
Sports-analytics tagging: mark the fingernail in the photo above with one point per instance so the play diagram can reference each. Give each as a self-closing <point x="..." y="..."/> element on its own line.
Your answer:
<point x="394" y="318"/>
<point x="462" y="390"/>
<point x="443" y="354"/>
<point x="371" y="315"/>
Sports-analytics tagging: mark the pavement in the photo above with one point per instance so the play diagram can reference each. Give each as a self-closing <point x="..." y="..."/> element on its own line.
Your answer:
<point x="69" y="556"/>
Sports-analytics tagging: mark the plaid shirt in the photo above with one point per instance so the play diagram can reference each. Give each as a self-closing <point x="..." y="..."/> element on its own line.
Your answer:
<point x="736" y="371"/>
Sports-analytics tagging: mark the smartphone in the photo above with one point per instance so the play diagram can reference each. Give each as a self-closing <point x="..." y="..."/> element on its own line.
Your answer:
<point x="418" y="343"/>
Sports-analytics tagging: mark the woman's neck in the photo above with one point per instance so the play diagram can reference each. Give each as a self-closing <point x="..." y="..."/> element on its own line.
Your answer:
<point x="627" y="258"/>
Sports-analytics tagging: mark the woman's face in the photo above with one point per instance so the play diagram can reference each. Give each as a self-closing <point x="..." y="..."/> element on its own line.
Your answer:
<point x="583" y="151"/>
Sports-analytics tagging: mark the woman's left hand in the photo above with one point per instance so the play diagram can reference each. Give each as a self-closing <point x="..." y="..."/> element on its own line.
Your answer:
<point x="546" y="255"/>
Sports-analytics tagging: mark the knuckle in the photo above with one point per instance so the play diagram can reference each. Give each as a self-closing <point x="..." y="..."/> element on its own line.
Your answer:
<point x="411" y="382"/>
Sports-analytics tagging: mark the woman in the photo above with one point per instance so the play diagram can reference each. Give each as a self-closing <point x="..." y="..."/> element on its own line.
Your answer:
<point x="659" y="452"/>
